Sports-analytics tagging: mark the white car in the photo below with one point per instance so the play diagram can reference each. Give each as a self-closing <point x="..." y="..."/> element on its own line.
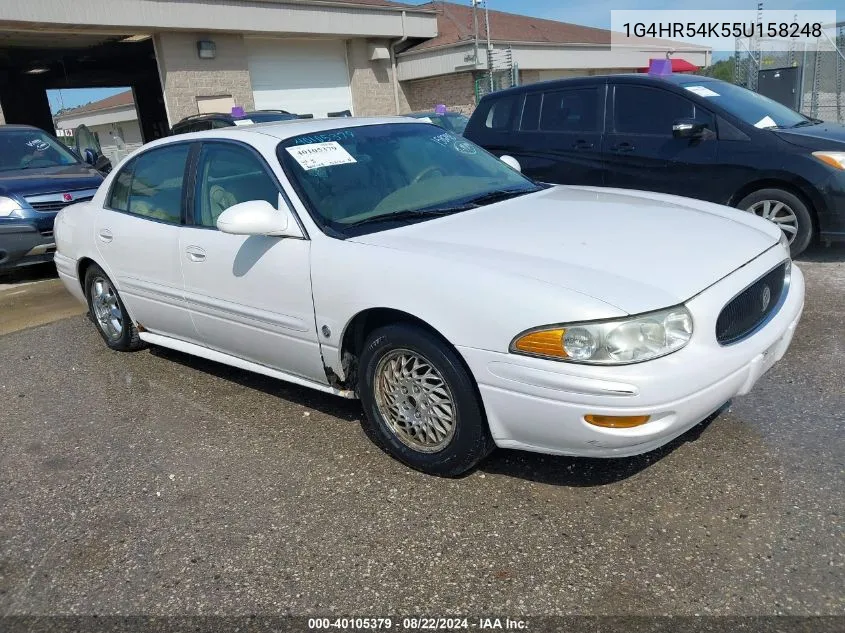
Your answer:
<point x="465" y="305"/>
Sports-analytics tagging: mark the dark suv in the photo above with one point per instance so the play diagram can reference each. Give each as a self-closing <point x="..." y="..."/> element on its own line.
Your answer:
<point x="38" y="177"/>
<point x="679" y="134"/>
<point x="200" y="122"/>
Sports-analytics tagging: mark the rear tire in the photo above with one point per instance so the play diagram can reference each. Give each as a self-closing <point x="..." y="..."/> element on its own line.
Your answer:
<point x="108" y="313"/>
<point x="786" y="210"/>
<point x="421" y="404"/>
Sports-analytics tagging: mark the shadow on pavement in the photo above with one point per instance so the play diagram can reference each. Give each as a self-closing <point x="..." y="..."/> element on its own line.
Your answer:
<point x="823" y="254"/>
<point x="584" y="471"/>
<point x="27" y="274"/>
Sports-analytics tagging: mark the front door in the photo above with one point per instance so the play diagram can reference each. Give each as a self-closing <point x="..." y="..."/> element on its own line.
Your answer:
<point x="137" y="234"/>
<point x="250" y="296"/>
<point x="641" y="153"/>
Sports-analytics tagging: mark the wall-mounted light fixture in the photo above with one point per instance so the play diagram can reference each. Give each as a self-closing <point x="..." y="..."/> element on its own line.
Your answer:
<point x="206" y="49"/>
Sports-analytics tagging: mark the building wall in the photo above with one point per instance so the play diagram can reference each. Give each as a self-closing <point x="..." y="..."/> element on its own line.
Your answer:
<point x="456" y="91"/>
<point x="372" y="81"/>
<point x="185" y="76"/>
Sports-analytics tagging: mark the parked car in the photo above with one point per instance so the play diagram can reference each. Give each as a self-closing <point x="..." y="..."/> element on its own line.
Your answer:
<point x="452" y="121"/>
<point x="465" y="305"/>
<point x="213" y="121"/>
<point x="679" y="134"/>
<point x="38" y="177"/>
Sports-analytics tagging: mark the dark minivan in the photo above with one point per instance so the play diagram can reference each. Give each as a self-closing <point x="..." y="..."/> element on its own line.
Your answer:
<point x="679" y="134"/>
<point x="39" y="176"/>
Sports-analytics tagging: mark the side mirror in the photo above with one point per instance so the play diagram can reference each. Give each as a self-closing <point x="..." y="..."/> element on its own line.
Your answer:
<point x="257" y="217"/>
<point x="91" y="157"/>
<point x="511" y="162"/>
<point x="688" y="129"/>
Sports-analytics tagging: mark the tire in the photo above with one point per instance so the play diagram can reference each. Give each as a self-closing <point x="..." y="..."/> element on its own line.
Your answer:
<point x="106" y="310"/>
<point x="780" y="204"/>
<point x="447" y="450"/>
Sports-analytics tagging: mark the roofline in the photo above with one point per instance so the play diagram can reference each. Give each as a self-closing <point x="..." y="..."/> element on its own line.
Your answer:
<point x="410" y="8"/>
<point x="72" y="113"/>
<point x="692" y="48"/>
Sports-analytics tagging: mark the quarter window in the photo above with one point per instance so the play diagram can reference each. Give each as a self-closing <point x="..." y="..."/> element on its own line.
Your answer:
<point x="228" y="175"/>
<point x="499" y="117"/>
<point x="642" y="110"/>
<point x="156" y="188"/>
<point x="531" y="112"/>
<point x="119" y="196"/>
<point x="574" y="110"/>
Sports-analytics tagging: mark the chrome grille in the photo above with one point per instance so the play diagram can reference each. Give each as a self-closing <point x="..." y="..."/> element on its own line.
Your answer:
<point x="54" y="205"/>
<point x="752" y="307"/>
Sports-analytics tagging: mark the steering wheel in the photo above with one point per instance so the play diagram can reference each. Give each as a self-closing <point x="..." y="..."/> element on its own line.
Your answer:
<point x="426" y="172"/>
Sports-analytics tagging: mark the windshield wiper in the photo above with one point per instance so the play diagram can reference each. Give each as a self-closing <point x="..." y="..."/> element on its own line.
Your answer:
<point x="498" y="195"/>
<point x="411" y="214"/>
<point x="806" y="122"/>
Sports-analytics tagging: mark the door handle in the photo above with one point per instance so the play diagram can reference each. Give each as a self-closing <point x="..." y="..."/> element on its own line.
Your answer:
<point x="623" y="147"/>
<point x="105" y="235"/>
<point x="582" y="145"/>
<point x="195" y="254"/>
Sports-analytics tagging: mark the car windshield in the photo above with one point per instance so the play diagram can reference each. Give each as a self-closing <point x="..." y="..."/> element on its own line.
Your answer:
<point x="26" y="148"/>
<point x="753" y="108"/>
<point x="381" y="175"/>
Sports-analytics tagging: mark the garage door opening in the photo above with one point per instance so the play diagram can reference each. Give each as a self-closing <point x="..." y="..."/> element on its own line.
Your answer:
<point x="34" y="62"/>
<point x="104" y="120"/>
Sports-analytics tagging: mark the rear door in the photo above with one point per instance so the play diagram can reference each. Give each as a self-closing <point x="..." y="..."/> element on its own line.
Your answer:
<point x="558" y="135"/>
<point x="137" y="235"/>
<point x="640" y="152"/>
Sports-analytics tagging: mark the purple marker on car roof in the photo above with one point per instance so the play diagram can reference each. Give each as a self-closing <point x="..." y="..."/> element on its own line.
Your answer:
<point x="237" y="111"/>
<point x="440" y="109"/>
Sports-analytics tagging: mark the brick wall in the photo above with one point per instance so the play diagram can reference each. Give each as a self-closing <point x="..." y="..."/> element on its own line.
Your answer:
<point x="456" y="91"/>
<point x="529" y="77"/>
<point x="372" y="81"/>
<point x="185" y="76"/>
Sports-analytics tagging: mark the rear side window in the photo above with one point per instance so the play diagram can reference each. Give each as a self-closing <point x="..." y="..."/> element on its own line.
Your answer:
<point x="644" y="110"/>
<point x="119" y="195"/>
<point x="573" y="110"/>
<point x="500" y="114"/>
<point x="155" y="188"/>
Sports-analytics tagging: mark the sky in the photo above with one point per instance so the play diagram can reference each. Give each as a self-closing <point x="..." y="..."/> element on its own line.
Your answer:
<point x="587" y="12"/>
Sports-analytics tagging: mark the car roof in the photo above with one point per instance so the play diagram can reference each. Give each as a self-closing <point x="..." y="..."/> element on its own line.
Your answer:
<point x="644" y="78"/>
<point x="19" y="126"/>
<point x="285" y="129"/>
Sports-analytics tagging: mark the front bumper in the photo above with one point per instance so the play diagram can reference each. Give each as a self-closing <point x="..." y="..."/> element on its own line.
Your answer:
<point x="23" y="244"/>
<point x="539" y="405"/>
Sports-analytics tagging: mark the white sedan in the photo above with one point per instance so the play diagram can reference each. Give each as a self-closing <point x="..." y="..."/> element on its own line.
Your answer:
<point x="465" y="305"/>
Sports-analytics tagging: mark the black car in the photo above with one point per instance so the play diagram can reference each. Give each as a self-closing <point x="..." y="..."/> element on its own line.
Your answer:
<point x="679" y="134"/>
<point x="38" y="177"/>
<point x="200" y="122"/>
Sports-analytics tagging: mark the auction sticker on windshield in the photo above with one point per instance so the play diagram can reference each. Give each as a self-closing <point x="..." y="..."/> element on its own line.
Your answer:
<point x="316" y="155"/>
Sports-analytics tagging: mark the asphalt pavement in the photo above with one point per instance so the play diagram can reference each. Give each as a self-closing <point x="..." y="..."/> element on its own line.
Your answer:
<point x="157" y="483"/>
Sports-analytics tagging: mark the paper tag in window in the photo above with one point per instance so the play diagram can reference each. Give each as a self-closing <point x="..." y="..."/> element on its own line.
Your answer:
<point x="701" y="91"/>
<point x="765" y="122"/>
<point x="316" y="155"/>
<point x="243" y="121"/>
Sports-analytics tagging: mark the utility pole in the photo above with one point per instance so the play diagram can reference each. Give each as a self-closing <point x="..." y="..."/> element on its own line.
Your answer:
<point x="489" y="44"/>
<point x="475" y="20"/>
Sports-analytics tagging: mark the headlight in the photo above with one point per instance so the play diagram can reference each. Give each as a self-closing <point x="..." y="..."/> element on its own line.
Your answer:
<point x="833" y="159"/>
<point x="8" y="206"/>
<point x="619" y="342"/>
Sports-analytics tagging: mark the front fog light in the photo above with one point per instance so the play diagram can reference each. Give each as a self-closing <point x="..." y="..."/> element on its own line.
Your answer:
<point x="579" y="344"/>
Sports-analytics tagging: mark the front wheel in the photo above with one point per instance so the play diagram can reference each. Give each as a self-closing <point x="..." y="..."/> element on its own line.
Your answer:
<point x="421" y="404"/>
<point x="787" y="211"/>
<point x="108" y="312"/>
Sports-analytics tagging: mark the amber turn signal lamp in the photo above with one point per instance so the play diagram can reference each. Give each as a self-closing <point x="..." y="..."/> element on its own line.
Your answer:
<point x="545" y="343"/>
<point x="617" y="421"/>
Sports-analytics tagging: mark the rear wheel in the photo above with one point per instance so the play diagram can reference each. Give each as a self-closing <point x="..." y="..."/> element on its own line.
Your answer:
<point x="108" y="312"/>
<point x="420" y="402"/>
<point x="786" y="210"/>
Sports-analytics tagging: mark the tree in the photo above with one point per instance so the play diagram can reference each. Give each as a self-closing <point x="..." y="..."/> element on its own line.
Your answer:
<point x="722" y="69"/>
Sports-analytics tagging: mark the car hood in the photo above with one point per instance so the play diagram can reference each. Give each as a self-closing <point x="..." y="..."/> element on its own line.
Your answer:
<point x="636" y="251"/>
<point x="817" y="137"/>
<point x="30" y="182"/>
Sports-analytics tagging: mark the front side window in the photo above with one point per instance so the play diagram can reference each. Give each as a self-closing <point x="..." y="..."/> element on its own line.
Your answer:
<point x="155" y="190"/>
<point x="28" y="148"/>
<point x="228" y="175"/>
<point x="354" y="178"/>
<point x="572" y="110"/>
<point x="645" y="110"/>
